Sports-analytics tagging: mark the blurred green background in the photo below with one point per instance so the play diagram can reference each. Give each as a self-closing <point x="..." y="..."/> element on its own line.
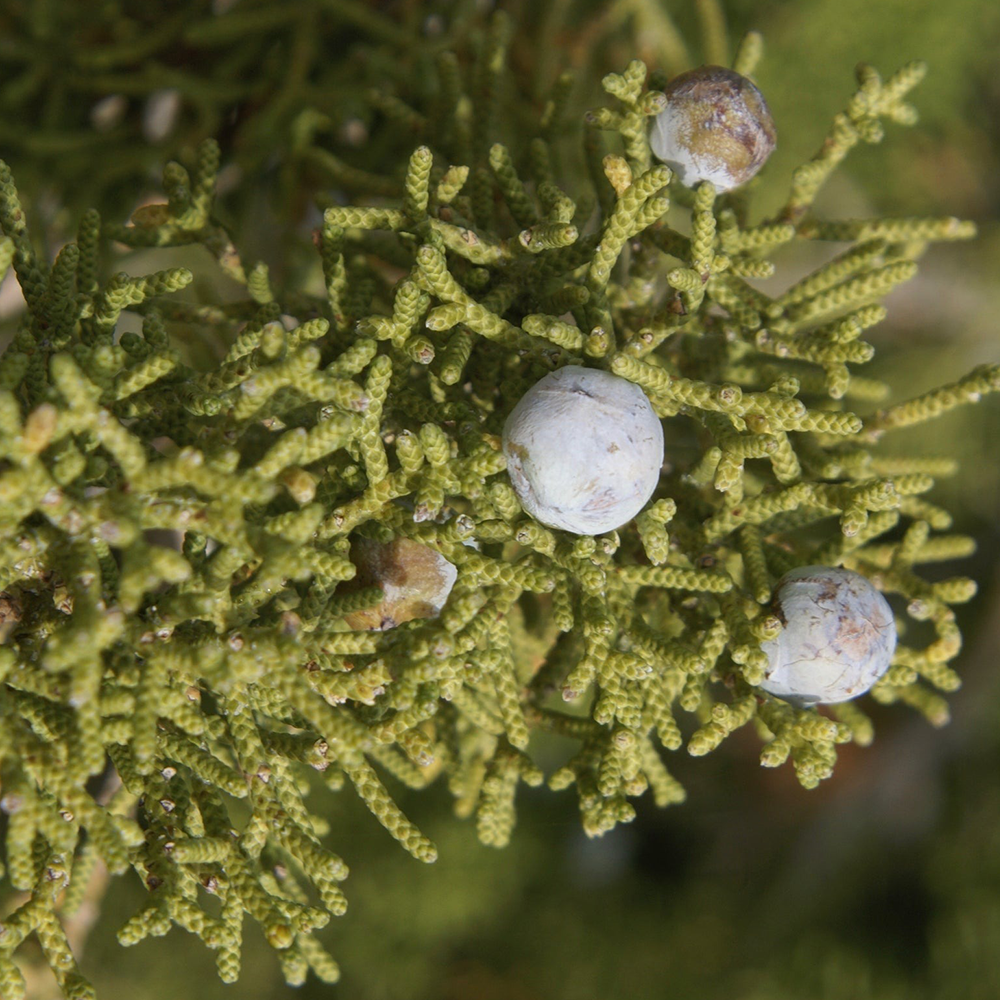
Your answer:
<point x="884" y="882"/>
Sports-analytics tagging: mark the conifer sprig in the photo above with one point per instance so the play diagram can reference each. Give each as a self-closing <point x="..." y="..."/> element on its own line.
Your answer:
<point x="177" y="577"/>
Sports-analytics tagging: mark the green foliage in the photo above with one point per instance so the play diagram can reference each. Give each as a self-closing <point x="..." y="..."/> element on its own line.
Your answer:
<point x="177" y="532"/>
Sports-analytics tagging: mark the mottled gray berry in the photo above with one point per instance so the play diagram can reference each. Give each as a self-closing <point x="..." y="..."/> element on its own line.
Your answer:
<point x="837" y="639"/>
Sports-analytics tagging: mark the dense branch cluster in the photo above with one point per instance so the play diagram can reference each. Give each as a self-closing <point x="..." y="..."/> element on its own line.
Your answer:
<point x="176" y="543"/>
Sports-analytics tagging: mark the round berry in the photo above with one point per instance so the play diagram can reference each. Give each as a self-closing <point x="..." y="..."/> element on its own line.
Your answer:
<point x="415" y="580"/>
<point x="837" y="639"/>
<point x="584" y="450"/>
<point x="716" y="127"/>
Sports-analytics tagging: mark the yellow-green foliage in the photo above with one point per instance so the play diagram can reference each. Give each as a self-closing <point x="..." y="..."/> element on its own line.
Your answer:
<point x="173" y="536"/>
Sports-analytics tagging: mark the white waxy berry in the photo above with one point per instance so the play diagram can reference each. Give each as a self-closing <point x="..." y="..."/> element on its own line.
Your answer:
<point x="716" y="127"/>
<point x="837" y="638"/>
<point x="584" y="450"/>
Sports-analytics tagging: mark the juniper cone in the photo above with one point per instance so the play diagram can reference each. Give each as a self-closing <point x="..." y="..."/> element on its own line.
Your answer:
<point x="836" y="636"/>
<point x="197" y="449"/>
<point x="584" y="450"/>
<point x="716" y="127"/>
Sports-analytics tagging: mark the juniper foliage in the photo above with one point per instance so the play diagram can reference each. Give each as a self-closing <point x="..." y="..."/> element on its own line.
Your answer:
<point x="176" y="540"/>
